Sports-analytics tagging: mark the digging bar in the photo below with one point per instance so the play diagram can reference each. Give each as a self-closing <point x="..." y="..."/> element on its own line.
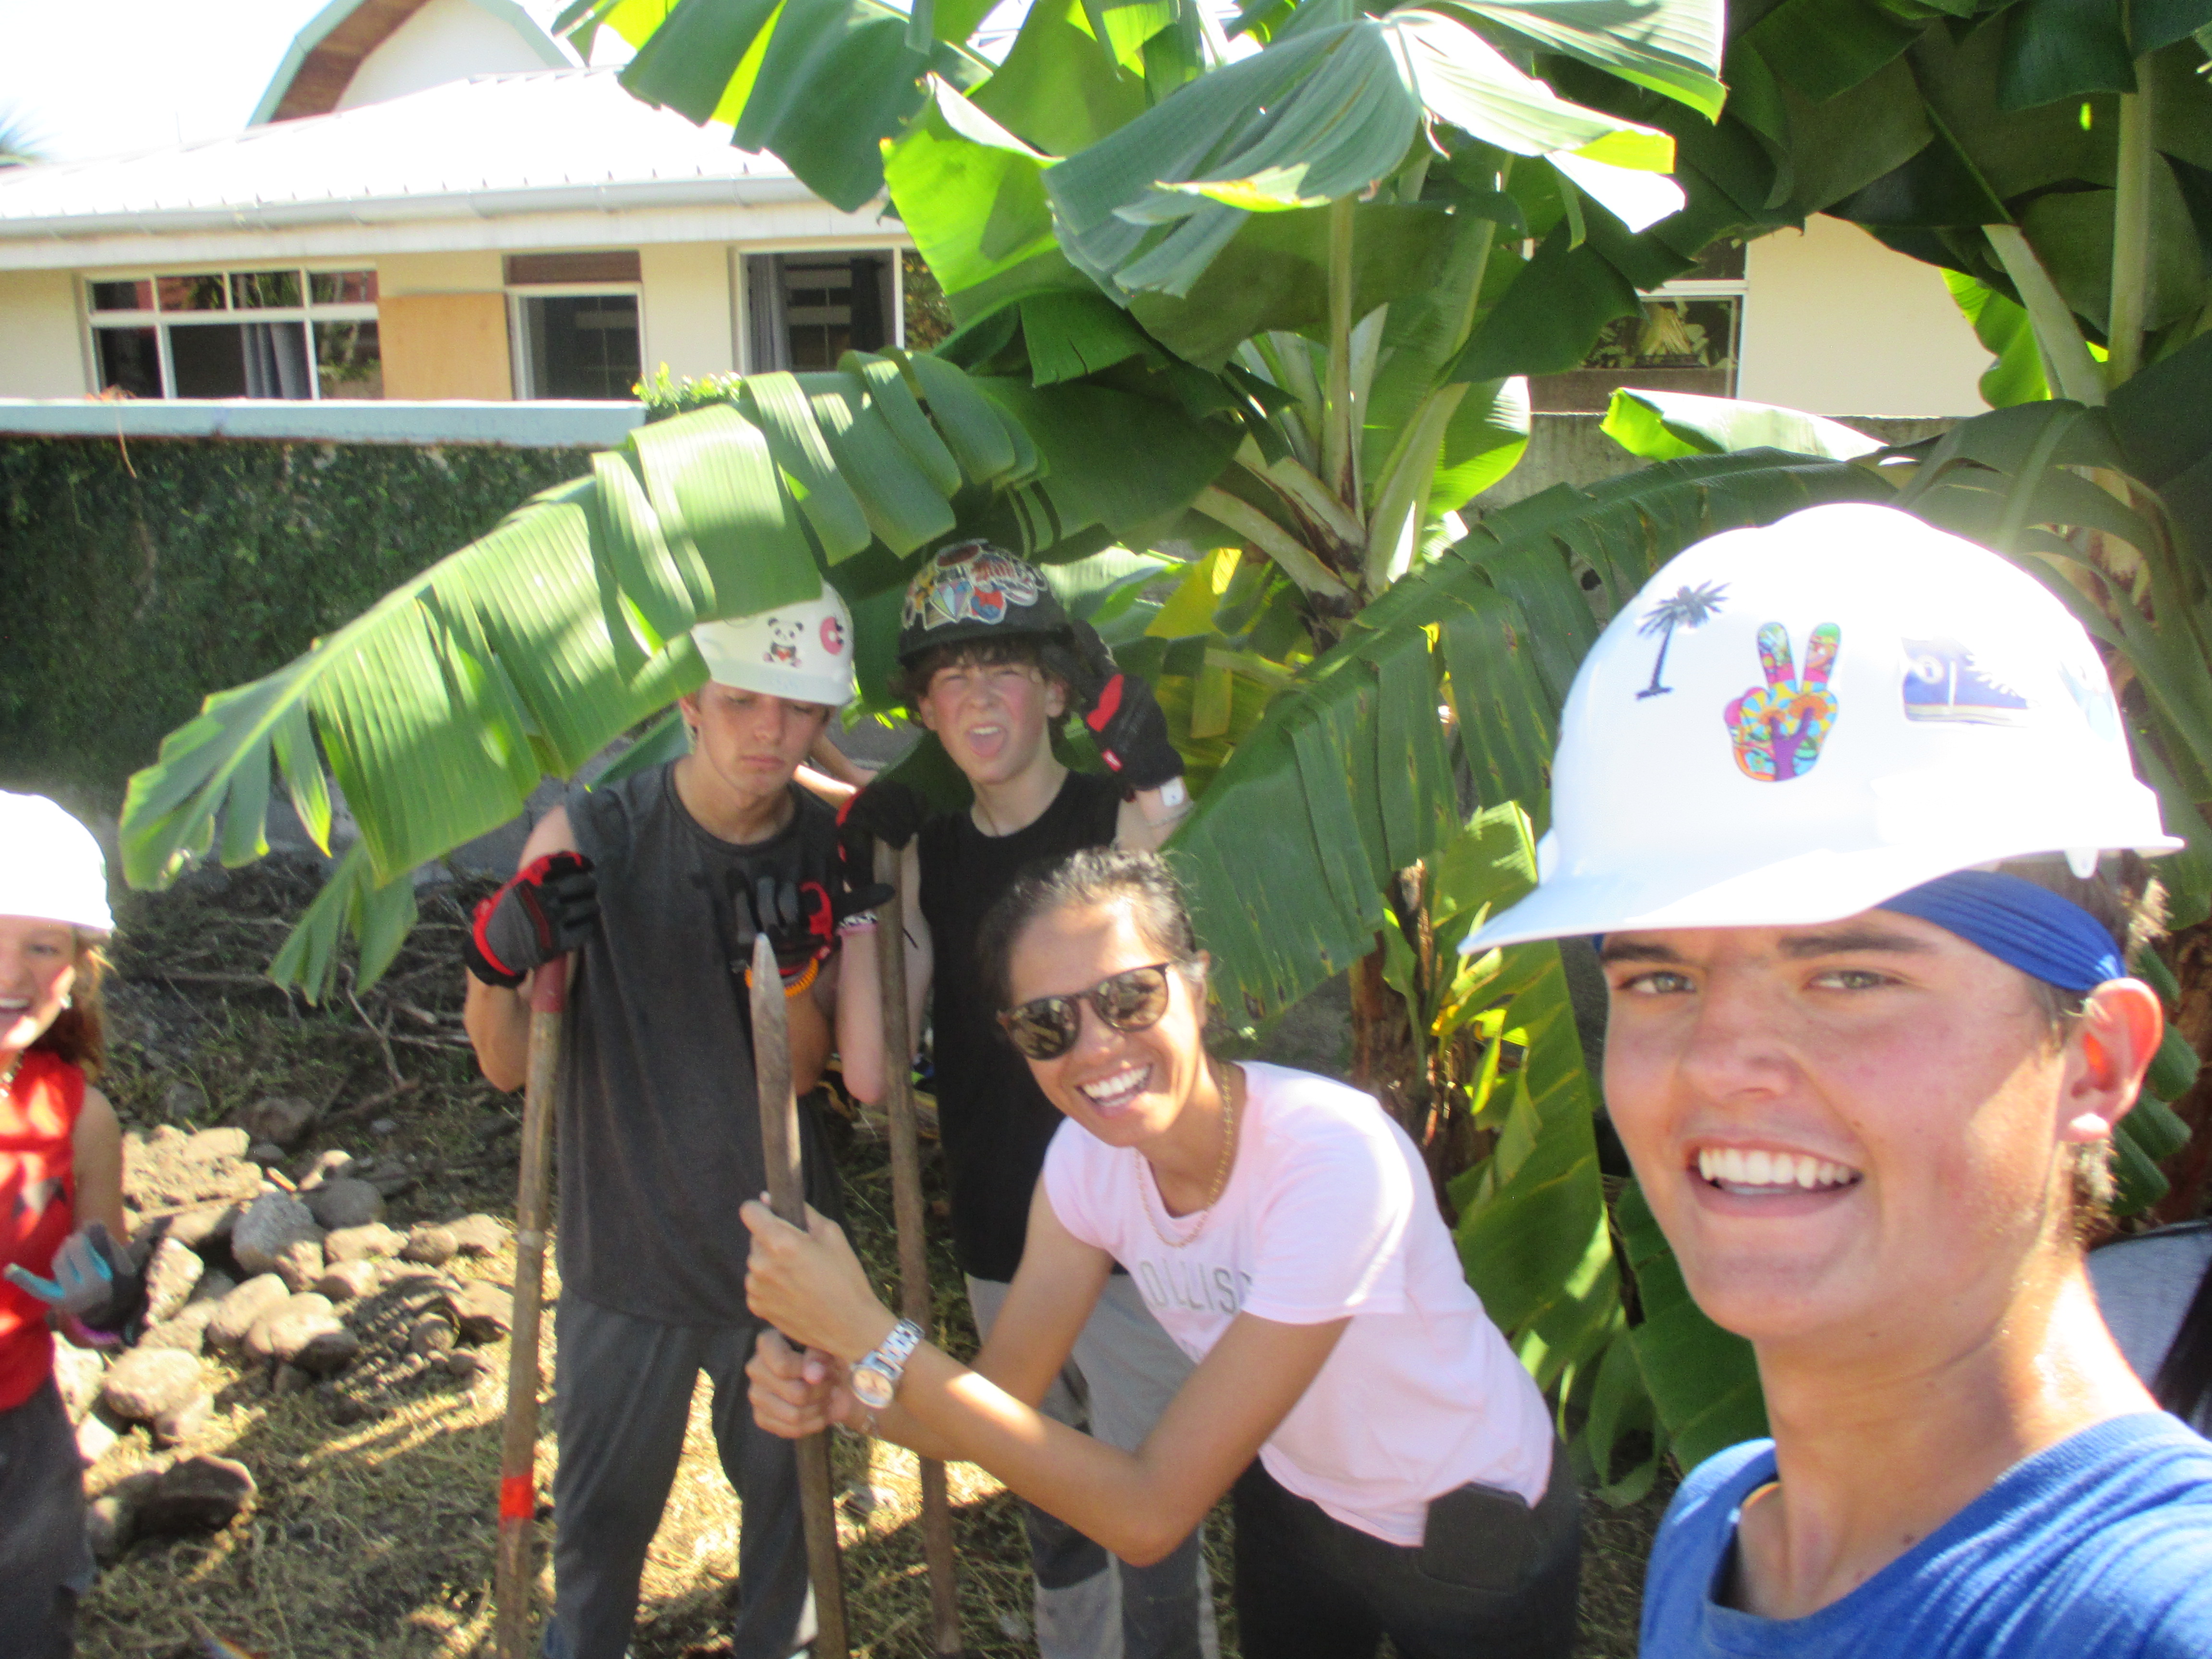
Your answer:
<point x="914" y="1302"/>
<point x="518" y="1458"/>
<point x="786" y="1196"/>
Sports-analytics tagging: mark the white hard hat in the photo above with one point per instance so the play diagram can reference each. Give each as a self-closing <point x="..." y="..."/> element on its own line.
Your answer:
<point x="1792" y="724"/>
<point x="50" y="865"/>
<point x="803" y="653"/>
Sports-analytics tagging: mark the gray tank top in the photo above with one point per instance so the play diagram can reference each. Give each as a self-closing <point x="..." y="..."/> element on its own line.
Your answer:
<point x="659" y="1124"/>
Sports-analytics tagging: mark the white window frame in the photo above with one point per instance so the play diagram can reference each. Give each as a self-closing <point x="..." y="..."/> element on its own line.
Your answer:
<point x="524" y="374"/>
<point x="741" y="309"/>
<point x="1737" y="288"/>
<point x="306" y="313"/>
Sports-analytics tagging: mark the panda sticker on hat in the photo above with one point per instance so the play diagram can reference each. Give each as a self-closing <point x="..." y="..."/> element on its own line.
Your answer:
<point x="800" y="652"/>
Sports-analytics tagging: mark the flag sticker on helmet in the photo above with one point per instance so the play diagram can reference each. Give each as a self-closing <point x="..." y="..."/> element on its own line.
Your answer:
<point x="1943" y="682"/>
<point x="972" y="582"/>
<point x="1779" y="728"/>
<point x="783" y="636"/>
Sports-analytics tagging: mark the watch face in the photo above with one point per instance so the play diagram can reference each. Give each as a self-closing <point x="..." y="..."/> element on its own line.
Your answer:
<point x="874" y="1386"/>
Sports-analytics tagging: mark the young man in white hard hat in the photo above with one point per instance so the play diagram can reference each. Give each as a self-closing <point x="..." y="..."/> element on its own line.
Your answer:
<point x="1848" y="802"/>
<point x="659" y="884"/>
<point x="990" y="662"/>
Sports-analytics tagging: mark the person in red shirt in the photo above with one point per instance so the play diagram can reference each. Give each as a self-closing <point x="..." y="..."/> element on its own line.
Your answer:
<point x="62" y="1234"/>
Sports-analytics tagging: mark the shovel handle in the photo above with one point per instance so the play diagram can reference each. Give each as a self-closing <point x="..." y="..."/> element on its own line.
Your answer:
<point x="518" y="1461"/>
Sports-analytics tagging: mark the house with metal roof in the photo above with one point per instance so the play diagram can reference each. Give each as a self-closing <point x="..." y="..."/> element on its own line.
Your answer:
<point x="431" y="201"/>
<point x="396" y="221"/>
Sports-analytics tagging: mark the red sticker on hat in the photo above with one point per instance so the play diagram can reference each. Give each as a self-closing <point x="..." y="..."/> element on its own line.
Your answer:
<point x="833" y="636"/>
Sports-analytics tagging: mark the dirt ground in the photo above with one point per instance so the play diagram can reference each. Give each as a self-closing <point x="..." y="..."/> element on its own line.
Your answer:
<point x="371" y="1536"/>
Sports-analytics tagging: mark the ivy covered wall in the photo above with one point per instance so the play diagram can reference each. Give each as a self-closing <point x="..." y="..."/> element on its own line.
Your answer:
<point x="137" y="578"/>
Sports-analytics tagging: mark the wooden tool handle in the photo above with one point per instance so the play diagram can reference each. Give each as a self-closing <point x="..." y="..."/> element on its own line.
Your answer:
<point x="786" y="1196"/>
<point x="914" y="1301"/>
<point x="518" y="1460"/>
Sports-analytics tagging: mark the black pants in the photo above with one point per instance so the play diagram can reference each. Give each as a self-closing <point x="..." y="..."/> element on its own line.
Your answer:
<point x="622" y="1397"/>
<point x="44" y="1564"/>
<point x="1493" y="1579"/>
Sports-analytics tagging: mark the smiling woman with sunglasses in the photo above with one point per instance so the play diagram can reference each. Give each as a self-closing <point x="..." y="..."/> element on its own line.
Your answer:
<point x="1394" y="1467"/>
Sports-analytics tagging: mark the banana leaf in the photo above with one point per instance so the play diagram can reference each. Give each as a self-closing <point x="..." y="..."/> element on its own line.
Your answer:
<point x="438" y="710"/>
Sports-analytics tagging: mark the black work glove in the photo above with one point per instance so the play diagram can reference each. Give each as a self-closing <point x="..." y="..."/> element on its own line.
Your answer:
<point x="547" y="910"/>
<point x="801" y="918"/>
<point x="1120" y="708"/>
<point x="94" y="1283"/>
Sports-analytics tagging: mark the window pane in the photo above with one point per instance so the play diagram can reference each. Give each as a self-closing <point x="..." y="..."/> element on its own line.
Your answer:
<point x="833" y="305"/>
<point x="257" y="288"/>
<point x="130" y="360"/>
<point x="191" y="293"/>
<point x="122" y="296"/>
<point x="1675" y="345"/>
<point x="349" y="361"/>
<point x="343" y="288"/>
<point x="208" y="359"/>
<point x="582" y="345"/>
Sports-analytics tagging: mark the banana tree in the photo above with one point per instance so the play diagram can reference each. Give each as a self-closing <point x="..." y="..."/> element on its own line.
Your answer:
<point x="1265" y="312"/>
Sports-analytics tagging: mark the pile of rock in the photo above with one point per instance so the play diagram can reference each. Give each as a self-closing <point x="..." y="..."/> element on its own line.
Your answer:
<point x="294" y="1287"/>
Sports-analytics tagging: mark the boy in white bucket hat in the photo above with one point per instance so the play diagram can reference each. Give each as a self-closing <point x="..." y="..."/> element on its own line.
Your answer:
<point x="1849" y="804"/>
<point x="659" y="884"/>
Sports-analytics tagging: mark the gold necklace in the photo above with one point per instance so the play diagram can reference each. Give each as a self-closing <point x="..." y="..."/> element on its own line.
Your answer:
<point x="1214" y="1188"/>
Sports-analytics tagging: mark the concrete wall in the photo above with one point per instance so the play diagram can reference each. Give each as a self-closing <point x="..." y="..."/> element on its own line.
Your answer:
<point x="1837" y="324"/>
<point x="41" y="347"/>
<point x="447" y="41"/>
<point x="688" y="315"/>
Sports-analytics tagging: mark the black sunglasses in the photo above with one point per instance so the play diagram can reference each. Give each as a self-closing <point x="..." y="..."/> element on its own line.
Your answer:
<point x="1046" y="1028"/>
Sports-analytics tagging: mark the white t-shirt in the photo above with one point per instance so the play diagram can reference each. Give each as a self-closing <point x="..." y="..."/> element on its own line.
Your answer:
<point x="1328" y="1213"/>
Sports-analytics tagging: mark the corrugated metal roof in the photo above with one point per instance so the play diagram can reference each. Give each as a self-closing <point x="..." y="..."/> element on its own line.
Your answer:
<point x="544" y="142"/>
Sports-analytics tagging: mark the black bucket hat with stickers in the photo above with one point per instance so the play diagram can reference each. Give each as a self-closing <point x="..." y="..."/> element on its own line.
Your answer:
<point x="972" y="590"/>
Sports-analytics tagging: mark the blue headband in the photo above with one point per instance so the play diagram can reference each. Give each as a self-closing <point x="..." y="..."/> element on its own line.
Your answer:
<point x="2031" y="927"/>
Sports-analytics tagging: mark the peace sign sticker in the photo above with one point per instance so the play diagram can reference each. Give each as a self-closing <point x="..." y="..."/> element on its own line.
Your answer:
<point x="1777" y="728"/>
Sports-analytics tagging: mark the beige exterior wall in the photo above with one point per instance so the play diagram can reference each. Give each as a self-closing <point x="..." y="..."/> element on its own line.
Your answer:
<point x="447" y="41"/>
<point x="41" y="345"/>
<point x="1837" y="324"/>
<point x="687" y="312"/>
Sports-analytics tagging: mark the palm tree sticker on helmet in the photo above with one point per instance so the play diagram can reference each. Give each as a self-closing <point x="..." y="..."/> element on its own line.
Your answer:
<point x="1689" y="607"/>
<point x="1777" y="728"/>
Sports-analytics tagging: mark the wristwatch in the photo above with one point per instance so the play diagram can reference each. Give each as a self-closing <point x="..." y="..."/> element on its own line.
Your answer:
<point x="875" y="1378"/>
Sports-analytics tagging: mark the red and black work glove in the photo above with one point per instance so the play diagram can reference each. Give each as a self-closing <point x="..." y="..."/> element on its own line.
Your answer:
<point x="547" y="910"/>
<point x="801" y="918"/>
<point x="1120" y="710"/>
<point x="887" y="811"/>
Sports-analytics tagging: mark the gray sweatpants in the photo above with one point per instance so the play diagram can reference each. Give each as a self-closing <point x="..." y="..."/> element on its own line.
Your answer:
<point x="1123" y="1372"/>
<point x="623" y="1395"/>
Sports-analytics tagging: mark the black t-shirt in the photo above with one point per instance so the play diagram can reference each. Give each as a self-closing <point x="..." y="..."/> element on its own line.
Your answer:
<point x="994" y="1120"/>
<point x="658" y="1117"/>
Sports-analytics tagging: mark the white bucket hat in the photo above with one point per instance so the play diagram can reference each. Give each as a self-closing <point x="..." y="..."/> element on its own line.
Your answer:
<point x="1792" y="724"/>
<point x="800" y="652"/>
<point x="50" y="865"/>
